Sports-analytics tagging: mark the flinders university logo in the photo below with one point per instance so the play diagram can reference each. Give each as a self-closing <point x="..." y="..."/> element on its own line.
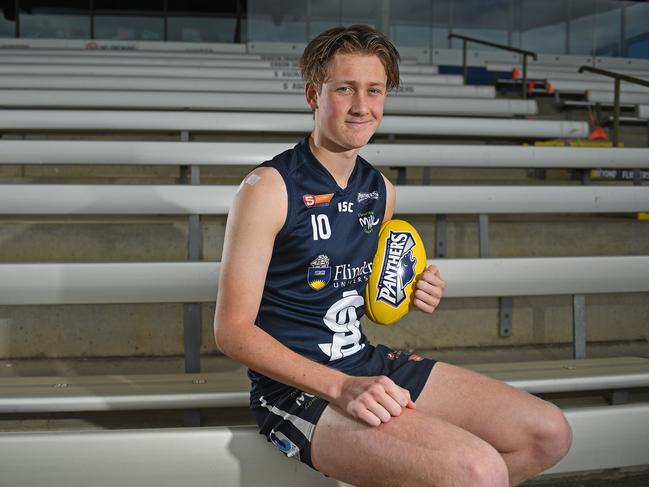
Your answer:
<point x="319" y="273"/>
<point x="398" y="268"/>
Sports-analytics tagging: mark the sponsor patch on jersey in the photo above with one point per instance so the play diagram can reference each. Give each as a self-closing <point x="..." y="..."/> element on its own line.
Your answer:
<point x="319" y="274"/>
<point x="368" y="221"/>
<point x="398" y="268"/>
<point x="317" y="200"/>
<point x="365" y="198"/>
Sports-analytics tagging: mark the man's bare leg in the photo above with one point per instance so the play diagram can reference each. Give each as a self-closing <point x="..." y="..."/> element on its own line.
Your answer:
<point x="410" y="450"/>
<point x="531" y="434"/>
<point x="467" y="430"/>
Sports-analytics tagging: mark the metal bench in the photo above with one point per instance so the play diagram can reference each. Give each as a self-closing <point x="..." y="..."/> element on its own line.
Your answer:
<point x="230" y="387"/>
<point x="18" y="121"/>
<point x="20" y="57"/>
<point x="278" y="102"/>
<point x="238" y="457"/>
<point x="253" y="153"/>
<point x="215" y="85"/>
<point x="231" y="450"/>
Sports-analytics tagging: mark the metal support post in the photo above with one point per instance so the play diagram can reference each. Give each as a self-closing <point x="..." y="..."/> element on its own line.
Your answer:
<point x="483" y="235"/>
<point x="440" y="236"/>
<point x="401" y="176"/>
<point x="465" y="69"/>
<point x="616" y="114"/>
<point x="505" y="320"/>
<point x="637" y="177"/>
<point x="401" y="171"/>
<point x="524" y="76"/>
<point x="192" y="311"/>
<point x="425" y="176"/>
<point x="617" y="397"/>
<point x="505" y="303"/>
<point x="579" y="326"/>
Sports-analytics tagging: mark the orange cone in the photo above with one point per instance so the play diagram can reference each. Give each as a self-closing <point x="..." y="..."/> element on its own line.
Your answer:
<point x="598" y="134"/>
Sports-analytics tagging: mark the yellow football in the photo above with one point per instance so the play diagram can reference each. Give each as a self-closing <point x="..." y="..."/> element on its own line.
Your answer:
<point x="400" y="257"/>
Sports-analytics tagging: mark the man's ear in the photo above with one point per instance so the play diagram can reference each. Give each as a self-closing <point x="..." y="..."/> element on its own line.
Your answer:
<point x="311" y="95"/>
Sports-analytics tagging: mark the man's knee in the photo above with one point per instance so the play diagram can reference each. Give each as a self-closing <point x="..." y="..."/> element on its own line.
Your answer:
<point x="552" y="437"/>
<point x="476" y="465"/>
<point x="484" y="467"/>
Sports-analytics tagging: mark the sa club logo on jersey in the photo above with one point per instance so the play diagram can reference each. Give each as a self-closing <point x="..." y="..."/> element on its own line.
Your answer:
<point x="318" y="200"/>
<point x="398" y="268"/>
<point x="365" y="198"/>
<point x="368" y="221"/>
<point x="319" y="274"/>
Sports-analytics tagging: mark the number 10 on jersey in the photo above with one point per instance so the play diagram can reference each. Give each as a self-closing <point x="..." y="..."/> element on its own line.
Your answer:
<point x="321" y="227"/>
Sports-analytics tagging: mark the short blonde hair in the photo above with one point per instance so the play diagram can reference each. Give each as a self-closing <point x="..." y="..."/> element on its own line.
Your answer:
<point x="355" y="39"/>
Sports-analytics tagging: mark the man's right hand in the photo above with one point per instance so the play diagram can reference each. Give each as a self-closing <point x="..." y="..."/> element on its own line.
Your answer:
<point x="373" y="400"/>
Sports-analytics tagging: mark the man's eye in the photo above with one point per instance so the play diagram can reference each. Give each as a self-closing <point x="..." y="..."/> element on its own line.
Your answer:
<point x="375" y="91"/>
<point x="344" y="89"/>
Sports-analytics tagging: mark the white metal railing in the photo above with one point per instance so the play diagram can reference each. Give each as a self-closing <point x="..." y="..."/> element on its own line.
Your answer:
<point x="133" y="199"/>
<point x="253" y="153"/>
<point x="170" y="83"/>
<point x="279" y="102"/>
<point x="132" y="120"/>
<point x="195" y="282"/>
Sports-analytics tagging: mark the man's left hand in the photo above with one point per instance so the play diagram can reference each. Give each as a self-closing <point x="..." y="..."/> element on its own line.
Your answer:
<point x="429" y="289"/>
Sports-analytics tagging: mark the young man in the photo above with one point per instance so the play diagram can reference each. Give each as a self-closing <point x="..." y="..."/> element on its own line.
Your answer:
<point x="299" y="240"/>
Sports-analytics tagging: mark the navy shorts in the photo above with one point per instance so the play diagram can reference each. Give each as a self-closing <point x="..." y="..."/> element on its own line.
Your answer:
<point x="287" y="416"/>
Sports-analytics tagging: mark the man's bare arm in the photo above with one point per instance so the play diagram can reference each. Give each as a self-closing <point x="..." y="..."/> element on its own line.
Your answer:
<point x="389" y="200"/>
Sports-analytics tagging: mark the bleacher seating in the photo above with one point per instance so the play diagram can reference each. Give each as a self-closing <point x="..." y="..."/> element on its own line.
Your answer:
<point x="152" y="83"/>
<point x="279" y="102"/>
<point x="25" y="120"/>
<point x="629" y="98"/>
<point x="233" y="455"/>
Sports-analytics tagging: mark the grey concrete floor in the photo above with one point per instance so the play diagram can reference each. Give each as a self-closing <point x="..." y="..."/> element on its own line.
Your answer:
<point x="637" y="477"/>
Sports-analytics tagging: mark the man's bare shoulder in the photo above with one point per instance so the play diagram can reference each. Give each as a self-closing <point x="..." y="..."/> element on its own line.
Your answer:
<point x="262" y="196"/>
<point x="388" y="185"/>
<point x="263" y="180"/>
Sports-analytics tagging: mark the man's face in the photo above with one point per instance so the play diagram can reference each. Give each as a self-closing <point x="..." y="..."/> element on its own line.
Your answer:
<point x="349" y="108"/>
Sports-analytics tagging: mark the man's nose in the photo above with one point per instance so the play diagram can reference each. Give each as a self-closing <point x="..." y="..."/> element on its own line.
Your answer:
<point x="360" y="104"/>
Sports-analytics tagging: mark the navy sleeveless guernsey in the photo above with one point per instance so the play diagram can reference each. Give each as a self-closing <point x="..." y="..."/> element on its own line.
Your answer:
<point x="313" y="297"/>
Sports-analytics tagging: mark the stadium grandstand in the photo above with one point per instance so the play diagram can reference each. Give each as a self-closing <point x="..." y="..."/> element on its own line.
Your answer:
<point x="518" y="143"/>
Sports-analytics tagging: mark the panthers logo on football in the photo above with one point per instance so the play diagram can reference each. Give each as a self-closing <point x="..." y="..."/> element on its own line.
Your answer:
<point x="398" y="268"/>
<point x="400" y="258"/>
